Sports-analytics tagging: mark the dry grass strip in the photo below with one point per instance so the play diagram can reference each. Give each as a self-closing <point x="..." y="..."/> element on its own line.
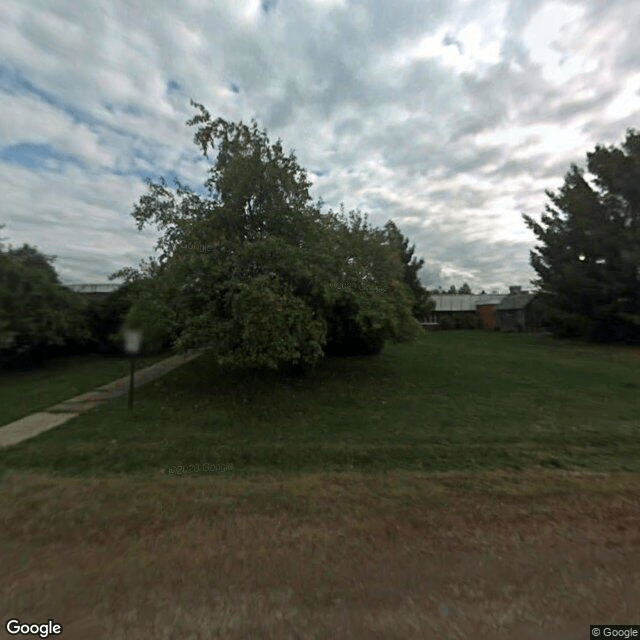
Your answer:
<point x="536" y="554"/>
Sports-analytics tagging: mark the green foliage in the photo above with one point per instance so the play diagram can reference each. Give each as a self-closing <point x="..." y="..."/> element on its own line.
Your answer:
<point x="106" y="318"/>
<point x="256" y="272"/>
<point x="277" y="328"/>
<point x="152" y="312"/>
<point x="36" y="311"/>
<point x="465" y="288"/>
<point x="589" y="256"/>
<point x="370" y="303"/>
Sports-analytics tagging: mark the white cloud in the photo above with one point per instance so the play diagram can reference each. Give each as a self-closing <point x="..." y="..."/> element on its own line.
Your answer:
<point x="627" y="101"/>
<point x="84" y="219"/>
<point x="451" y="118"/>
<point x="553" y="38"/>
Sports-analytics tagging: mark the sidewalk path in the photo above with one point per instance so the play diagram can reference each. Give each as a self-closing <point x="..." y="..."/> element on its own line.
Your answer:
<point x="32" y="425"/>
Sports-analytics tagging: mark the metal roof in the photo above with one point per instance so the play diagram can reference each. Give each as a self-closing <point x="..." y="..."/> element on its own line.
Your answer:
<point x="490" y="298"/>
<point x="94" y="288"/>
<point x="515" y="301"/>
<point x="464" y="301"/>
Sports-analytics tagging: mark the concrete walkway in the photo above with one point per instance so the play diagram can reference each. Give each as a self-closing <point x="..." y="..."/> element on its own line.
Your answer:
<point x="32" y="425"/>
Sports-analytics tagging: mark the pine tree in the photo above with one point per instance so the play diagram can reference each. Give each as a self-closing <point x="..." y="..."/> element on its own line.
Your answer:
<point x="588" y="261"/>
<point x="423" y="306"/>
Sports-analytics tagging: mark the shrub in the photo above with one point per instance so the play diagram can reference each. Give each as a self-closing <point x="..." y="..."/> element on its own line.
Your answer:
<point x="37" y="313"/>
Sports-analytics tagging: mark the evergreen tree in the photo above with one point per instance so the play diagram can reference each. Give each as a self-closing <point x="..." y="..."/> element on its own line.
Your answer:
<point x="588" y="261"/>
<point x="411" y="265"/>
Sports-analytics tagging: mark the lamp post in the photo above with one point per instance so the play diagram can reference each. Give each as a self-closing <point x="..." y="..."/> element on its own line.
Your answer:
<point x="132" y="341"/>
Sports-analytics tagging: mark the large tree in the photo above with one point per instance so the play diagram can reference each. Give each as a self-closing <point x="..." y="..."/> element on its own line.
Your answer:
<point x="588" y="259"/>
<point x="253" y="269"/>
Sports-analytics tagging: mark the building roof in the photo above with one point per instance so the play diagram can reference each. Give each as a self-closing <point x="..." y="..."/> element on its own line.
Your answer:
<point x="490" y="298"/>
<point x="107" y="287"/>
<point x="515" y="301"/>
<point x="464" y="302"/>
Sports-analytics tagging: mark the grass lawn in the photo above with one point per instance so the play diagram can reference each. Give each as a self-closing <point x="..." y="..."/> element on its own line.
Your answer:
<point x="470" y="485"/>
<point x="451" y="401"/>
<point x="58" y="379"/>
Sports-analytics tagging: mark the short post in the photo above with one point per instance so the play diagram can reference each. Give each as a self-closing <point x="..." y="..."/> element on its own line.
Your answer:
<point x="132" y="341"/>
<point x="131" y="383"/>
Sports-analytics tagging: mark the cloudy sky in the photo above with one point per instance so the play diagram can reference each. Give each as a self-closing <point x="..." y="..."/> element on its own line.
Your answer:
<point x="450" y="117"/>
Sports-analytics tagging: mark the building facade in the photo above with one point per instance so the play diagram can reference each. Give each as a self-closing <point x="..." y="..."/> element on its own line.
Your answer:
<point x="468" y="311"/>
<point x="516" y="313"/>
<point x="504" y="311"/>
